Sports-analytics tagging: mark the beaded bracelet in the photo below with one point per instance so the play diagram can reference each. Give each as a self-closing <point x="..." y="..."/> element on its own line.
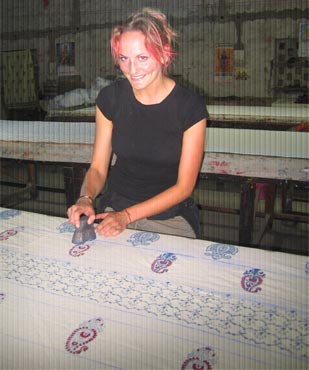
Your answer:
<point x="85" y="196"/>
<point x="128" y="214"/>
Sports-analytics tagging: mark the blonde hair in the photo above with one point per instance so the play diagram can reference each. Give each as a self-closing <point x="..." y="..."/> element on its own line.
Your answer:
<point x="159" y="35"/>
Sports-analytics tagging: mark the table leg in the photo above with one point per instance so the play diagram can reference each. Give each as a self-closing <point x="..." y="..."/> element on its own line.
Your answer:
<point x="270" y="196"/>
<point x="32" y="179"/>
<point x="73" y="178"/>
<point x="246" y="212"/>
<point x="287" y="197"/>
<point x="270" y="203"/>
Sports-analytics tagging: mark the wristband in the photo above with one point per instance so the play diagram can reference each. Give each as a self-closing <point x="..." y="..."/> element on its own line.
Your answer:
<point x="128" y="214"/>
<point x="85" y="196"/>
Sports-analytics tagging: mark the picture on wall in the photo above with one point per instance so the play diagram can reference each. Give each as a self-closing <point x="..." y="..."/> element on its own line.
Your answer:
<point x="224" y="63"/>
<point x="65" y="57"/>
<point x="303" y="50"/>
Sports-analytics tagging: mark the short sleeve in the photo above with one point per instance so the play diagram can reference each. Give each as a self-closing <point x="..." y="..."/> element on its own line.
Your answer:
<point x="196" y="111"/>
<point x="191" y="108"/>
<point x="106" y="101"/>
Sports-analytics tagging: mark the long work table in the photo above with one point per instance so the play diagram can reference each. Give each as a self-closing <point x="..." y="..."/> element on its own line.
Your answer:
<point x="248" y="170"/>
<point x="281" y="115"/>
<point x="145" y="300"/>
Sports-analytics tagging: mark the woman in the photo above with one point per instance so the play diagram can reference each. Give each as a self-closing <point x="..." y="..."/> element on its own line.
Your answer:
<point x="155" y="127"/>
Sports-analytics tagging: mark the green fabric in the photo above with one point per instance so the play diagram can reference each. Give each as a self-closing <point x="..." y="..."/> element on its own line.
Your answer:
<point x="18" y="79"/>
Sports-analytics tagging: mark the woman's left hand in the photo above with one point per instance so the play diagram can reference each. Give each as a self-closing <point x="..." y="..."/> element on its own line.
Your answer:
<point x="112" y="224"/>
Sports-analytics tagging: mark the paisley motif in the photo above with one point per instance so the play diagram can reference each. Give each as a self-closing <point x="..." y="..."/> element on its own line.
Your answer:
<point x="252" y="279"/>
<point x="66" y="227"/>
<point x="78" y="250"/>
<point x="5" y="215"/>
<point x="218" y="251"/>
<point x="200" y="359"/>
<point x="160" y="264"/>
<point x="143" y="238"/>
<point x="8" y="233"/>
<point x="77" y="342"/>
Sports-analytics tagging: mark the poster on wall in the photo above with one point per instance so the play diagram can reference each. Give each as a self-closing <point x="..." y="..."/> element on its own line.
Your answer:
<point x="65" y="58"/>
<point x="224" y="64"/>
<point x="240" y="69"/>
<point x="303" y="49"/>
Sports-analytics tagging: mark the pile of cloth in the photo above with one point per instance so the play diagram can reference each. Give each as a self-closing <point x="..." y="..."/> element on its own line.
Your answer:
<point x="79" y="97"/>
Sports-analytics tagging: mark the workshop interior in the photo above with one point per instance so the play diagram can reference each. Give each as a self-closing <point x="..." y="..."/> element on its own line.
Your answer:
<point x="236" y="297"/>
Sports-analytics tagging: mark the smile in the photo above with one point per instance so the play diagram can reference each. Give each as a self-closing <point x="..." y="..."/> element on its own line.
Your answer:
<point x="137" y="78"/>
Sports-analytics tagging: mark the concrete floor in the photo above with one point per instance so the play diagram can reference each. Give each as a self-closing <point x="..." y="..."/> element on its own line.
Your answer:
<point x="286" y="236"/>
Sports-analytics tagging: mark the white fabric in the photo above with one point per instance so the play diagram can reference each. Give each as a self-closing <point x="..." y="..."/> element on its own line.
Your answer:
<point x="111" y="299"/>
<point x="79" y="97"/>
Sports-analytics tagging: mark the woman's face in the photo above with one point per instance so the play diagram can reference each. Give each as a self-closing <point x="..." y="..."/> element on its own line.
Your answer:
<point x="136" y="62"/>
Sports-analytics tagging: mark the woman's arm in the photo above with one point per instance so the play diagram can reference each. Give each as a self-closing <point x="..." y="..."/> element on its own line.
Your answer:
<point x="189" y="166"/>
<point x="96" y="175"/>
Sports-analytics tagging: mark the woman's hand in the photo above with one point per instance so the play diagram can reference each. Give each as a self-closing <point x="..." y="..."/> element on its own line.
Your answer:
<point x="82" y="207"/>
<point x="113" y="223"/>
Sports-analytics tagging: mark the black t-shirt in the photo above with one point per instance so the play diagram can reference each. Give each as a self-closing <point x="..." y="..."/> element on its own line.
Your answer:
<point x="147" y="139"/>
